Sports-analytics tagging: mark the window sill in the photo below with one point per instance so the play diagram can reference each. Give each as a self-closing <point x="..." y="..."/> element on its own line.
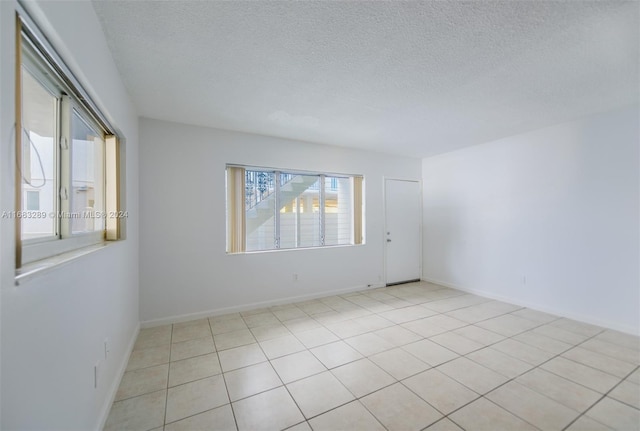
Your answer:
<point x="280" y="250"/>
<point x="40" y="267"/>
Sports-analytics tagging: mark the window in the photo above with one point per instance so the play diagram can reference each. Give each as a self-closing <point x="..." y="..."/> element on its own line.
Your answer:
<point x="67" y="158"/>
<point x="270" y="209"/>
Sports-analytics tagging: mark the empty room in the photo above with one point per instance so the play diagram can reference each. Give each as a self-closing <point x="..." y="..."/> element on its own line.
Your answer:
<point x="320" y="215"/>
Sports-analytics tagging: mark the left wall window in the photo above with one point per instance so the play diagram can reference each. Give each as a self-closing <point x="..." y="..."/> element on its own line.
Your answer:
<point x="67" y="155"/>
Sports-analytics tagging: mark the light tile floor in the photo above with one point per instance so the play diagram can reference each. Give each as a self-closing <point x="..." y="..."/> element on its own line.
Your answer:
<point x="410" y="357"/>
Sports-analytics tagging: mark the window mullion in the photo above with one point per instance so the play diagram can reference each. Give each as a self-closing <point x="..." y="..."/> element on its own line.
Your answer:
<point x="322" y="217"/>
<point x="18" y="143"/>
<point x="278" y="198"/>
<point x="298" y="221"/>
<point x="111" y="184"/>
<point x="65" y="167"/>
<point x="57" y="208"/>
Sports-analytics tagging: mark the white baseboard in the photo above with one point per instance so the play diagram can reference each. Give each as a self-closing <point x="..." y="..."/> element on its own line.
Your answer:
<point x="545" y="309"/>
<point x="252" y="306"/>
<point x="111" y="395"/>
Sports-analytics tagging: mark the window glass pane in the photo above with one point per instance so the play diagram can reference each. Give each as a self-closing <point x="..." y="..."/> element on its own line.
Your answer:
<point x="39" y="155"/>
<point x="299" y="211"/>
<point x="307" y="189"/>
<point x="260" y="204"/>
<point x="289" y="208"/>
<point x="33" y="200"/>
<point x="87" y="183"/>
<point x="338" y="211"/>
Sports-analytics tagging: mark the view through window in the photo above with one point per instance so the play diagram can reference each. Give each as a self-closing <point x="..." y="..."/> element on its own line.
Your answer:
<point x="283" y="210"/>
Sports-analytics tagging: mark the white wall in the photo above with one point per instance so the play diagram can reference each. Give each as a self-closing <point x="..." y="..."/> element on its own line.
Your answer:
<point x="547" y="219"/>
<point x="53" y="326"/>
<point x="184" y="269"/>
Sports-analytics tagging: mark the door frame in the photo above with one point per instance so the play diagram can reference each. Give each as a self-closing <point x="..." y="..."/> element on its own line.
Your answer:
<point x="384" y="227"/>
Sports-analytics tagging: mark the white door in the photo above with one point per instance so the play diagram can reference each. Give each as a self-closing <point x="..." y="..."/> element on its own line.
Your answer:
<point x="403" y="231"/>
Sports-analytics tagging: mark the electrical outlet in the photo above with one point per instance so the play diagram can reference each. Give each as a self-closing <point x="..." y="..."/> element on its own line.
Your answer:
<point x="106" y="348"/>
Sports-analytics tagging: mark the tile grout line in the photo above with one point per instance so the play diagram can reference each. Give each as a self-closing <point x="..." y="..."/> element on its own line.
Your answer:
<point x="370" y="330"/>
<point x="605" y="395"/>
<point x="580" y="414"/>
<point x="491" y="344"/>
<point x="226" y="387"/>
<point x="493" y="389"/>
<point x="283" y="385"/>
<point x="266" y="390"/>
<point x="329" y="371"/>
<point x="401" y="381"/>
<point x="191" y="381"/>
<point x="460" y="355"/>
<point x="397" y="381"/>
<point x="166" y="398"/>
<point x="621" y="382"/>
<point x="519" y="375"/>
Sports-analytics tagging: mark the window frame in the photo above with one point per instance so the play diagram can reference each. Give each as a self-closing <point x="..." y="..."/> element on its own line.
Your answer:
<point x="41" y="61"/>
<point x="236" y="237"/>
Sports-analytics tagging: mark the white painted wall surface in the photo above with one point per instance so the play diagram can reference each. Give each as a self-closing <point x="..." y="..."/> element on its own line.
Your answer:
<point x="547" y="219"/>
<point x="54" y="325"/>
<point x="184" y="269"/>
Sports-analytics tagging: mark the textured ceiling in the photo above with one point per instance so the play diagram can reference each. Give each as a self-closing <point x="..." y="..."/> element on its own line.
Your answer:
<point x="411" y="78"/>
